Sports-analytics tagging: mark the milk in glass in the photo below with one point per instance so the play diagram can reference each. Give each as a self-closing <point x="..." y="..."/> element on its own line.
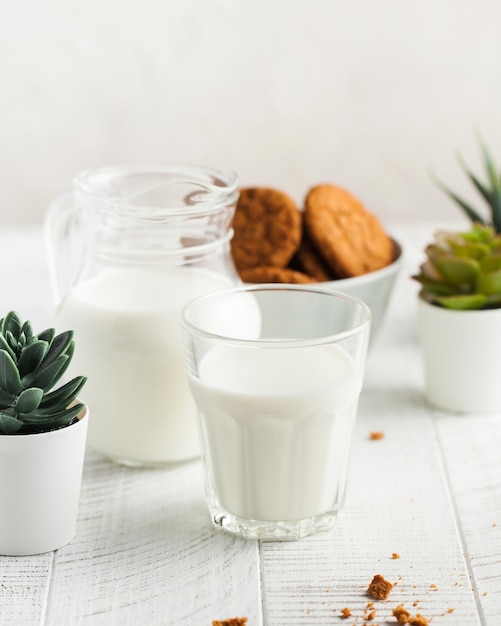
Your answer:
<point x="127" y="327"/>
<point x="277" y="425"/>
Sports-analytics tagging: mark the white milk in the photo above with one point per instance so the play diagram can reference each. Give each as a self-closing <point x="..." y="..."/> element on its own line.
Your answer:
<point x="277" y="424"/>
<point x="128" y="343"/>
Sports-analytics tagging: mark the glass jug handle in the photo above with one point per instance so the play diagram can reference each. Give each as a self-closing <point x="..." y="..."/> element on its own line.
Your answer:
<point x="64" y="248"/>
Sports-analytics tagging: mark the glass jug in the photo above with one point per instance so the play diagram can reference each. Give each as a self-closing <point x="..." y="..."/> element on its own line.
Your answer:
<point x="128" y="246"/>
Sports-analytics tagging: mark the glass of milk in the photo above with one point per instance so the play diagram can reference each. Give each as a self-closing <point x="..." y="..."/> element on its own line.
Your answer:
<point x="276" y="372"/>
<point x="128" y="246"/>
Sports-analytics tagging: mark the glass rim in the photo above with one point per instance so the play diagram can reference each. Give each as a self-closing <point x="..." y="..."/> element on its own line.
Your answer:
<point x="322" y="339"/>
<point x="221" y="195"/>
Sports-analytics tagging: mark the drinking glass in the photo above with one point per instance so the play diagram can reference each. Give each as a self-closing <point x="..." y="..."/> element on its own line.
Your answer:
<point x="276" y="372"/>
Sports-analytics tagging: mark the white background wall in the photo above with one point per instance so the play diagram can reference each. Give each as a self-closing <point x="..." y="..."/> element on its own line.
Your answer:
<point x="368" y="94"/>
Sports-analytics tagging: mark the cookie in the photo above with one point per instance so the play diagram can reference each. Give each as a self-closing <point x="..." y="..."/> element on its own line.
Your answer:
<point x="269" y="274"/>
<point x="309" y="261"/>
<point x="267" y="228"/>
<point x="350" y="239"/>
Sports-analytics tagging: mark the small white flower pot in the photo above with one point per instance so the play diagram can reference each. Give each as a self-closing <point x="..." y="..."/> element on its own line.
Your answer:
<point x="461" y="357"/>
<point x="40" y="480"/>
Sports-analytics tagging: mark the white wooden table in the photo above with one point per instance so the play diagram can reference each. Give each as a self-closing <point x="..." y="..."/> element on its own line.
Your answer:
<point x="145" y="554"/>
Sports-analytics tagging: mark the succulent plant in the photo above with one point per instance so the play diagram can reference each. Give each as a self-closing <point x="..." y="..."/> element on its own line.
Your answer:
<point x="463" y="270"/>
<point x="30" y="366"/>
<point x="489" y="191"/>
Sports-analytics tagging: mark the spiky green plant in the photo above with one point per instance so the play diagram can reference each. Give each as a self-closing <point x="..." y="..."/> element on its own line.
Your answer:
<point x="489" y="191"/>
<point x="463" y="270"/>
<point x="30" y="366"/>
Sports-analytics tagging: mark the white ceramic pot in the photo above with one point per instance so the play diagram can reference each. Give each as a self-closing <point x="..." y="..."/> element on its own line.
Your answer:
<point x="40" y="479"/>
<point x="461" y="357"/>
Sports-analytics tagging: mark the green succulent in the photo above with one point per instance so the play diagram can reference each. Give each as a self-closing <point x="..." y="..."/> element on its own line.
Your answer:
<point x="463" y="270"/>
<point x="489" y="191"/>
<point x="30" y="366"/>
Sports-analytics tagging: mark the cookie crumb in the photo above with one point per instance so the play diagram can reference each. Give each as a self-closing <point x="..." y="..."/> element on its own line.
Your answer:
<point x="379" y="588"/>
<point x="370" y="615"/>
<point x="346" y="612"/>
<point x="419" y="620"/>
<point x="395" y="555"/>
<point x="375" y="435"/>
<point x="232" y="621"/>
<point x="450" y="610"/>
<point x="401" y="614"/>
<point x="370" y="612"/>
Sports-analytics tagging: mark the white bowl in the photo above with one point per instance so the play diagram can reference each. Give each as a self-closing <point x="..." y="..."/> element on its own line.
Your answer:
<point x="374" y="289"/>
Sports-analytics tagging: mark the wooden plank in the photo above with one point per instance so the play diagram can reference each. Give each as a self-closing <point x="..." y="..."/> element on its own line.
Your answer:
<point x="397" y="503"/>
<point x="145" y="553"/>
<point x="24" y="588"/>
<point x="472" y="451"/>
